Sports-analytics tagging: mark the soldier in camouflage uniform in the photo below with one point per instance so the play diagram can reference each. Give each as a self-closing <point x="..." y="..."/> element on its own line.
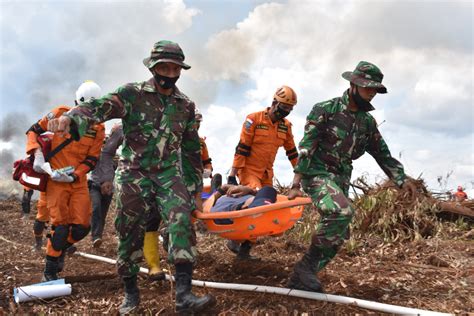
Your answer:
<point x="160" y="167"/>
<point x="338" y="131"/>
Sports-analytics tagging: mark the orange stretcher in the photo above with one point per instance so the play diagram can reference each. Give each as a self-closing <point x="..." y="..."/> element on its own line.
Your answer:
<point x="249" y="224"/>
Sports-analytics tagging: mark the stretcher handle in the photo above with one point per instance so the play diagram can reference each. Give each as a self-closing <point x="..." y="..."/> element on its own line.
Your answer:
<point x="254" y="210"/>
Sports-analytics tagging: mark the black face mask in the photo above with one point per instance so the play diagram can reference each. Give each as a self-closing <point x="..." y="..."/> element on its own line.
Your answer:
<point x="362" y="104"/>
<point x="165" y="82"/>
<point x="280" y="113"/>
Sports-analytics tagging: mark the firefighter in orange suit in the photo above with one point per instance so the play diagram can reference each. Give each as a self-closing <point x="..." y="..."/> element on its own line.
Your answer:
<point x="67" y="194"/>
<point x="460" y="195"/>
<point x="262" y="134"/>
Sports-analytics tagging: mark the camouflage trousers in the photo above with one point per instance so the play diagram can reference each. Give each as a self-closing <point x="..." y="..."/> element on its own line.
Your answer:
<point x="136" y="203"/>
<point x="329" y="196"/>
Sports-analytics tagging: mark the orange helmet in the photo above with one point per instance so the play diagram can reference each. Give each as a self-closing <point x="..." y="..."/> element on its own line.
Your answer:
<point x="285" y="94"/>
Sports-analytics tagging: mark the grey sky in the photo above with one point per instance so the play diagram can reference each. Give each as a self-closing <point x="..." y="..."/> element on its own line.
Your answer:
<point x="240" y="52"/>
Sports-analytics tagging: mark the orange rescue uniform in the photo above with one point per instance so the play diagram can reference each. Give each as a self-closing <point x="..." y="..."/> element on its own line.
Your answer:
<point x="460" y="196"/>
<point x="206" y="160"/>
<point x="259" y="142"/>
<point x="69" y="204"/>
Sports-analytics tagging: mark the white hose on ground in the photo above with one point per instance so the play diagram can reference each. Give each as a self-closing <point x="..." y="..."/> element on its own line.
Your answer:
<point x="387" y="308"/>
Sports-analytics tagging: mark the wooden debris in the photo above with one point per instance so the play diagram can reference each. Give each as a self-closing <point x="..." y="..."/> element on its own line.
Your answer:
<point x="457" y="208"/>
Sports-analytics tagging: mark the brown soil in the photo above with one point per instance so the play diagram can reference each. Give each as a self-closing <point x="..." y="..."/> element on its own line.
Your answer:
<point x="428" y="274"/>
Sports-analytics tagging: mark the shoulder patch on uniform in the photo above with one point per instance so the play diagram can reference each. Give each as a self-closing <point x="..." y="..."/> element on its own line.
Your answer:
<point x="282" y="127"/>
<point x="50" y="116"/>
<point x="248" y="123"/>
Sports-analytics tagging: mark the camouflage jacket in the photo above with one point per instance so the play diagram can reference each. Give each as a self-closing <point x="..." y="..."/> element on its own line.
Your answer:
<point x="334" y="136"/>
<point x="159" y="137"/>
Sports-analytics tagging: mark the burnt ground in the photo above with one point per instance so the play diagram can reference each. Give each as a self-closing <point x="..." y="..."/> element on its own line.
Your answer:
<point x="433" y="274"/>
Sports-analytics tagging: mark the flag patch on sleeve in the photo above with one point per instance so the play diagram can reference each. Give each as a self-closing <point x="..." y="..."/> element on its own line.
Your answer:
<point x="248" y="123"/>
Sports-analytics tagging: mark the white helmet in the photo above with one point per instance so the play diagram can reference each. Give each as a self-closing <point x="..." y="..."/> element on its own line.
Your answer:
<point x="88" y="90"/>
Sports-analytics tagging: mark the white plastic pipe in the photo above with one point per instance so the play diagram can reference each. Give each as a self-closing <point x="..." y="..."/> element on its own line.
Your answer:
<point x="387" y="308"/>
<point x="34" y="292"/>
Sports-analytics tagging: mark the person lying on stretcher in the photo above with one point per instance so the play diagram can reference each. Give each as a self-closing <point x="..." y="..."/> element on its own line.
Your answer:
<point x="237" y="197"/>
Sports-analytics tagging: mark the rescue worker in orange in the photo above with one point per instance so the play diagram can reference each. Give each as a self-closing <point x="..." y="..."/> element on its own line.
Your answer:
<point x="67" y="194"/>
<point x="460" y="195"/>
<point x="262" y="134"/>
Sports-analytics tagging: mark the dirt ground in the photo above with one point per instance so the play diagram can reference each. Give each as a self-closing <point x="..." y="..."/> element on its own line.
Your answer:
<point x="429" y="274"/>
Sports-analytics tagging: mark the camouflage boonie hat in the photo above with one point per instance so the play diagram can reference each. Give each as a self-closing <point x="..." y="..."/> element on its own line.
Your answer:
<point x="366" y="75"/>
<point x="165" y="52"/>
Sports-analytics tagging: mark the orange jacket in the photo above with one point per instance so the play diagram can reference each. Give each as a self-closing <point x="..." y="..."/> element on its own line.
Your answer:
<point x="82" y="154"/>
<point x="206" y="160"/>
<point x="460" y="195"/>
<point x="259" y="143"/>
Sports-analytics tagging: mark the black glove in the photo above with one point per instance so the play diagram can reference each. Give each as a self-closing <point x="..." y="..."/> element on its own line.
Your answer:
<point x="232" y="180"/>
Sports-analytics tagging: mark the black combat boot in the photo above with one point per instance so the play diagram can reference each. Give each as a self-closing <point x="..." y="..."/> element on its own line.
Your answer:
<point x="38" y="243"/>
<point x="132" y="295"/>
<point x="187" y="302"/>
<point x="233" y="246"/>
<point x="38" y="229"/>
<point x="244" y="252"/>
<point x="50" y="269"/>
<point x="304" y="273"/>
<point x="61" y="261"/>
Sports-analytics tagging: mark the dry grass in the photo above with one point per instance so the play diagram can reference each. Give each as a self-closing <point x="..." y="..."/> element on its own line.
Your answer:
<point x="386" y="215"/>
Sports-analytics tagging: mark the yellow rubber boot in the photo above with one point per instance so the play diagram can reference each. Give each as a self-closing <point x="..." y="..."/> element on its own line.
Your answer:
<point x="152" y="256"/>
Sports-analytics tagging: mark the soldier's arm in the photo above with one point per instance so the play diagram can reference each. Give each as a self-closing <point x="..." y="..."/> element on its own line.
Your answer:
<point x="40" y="127"/>
<point x="309" y="142"/>
<point x="93" y="154"/>
<point x="191" y="156"/>
<point x="242" y="151"/>
<point x="110" y="106"/>
<point x="290" y="147"/>
<point x="378" y="149"/>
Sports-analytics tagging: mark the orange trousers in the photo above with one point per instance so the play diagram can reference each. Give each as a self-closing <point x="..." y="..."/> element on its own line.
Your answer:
<point x="251" y="179"/>
<point x="67" y="204"/>
<point x="42" y="216"/>
<point x="43" y="213"/>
